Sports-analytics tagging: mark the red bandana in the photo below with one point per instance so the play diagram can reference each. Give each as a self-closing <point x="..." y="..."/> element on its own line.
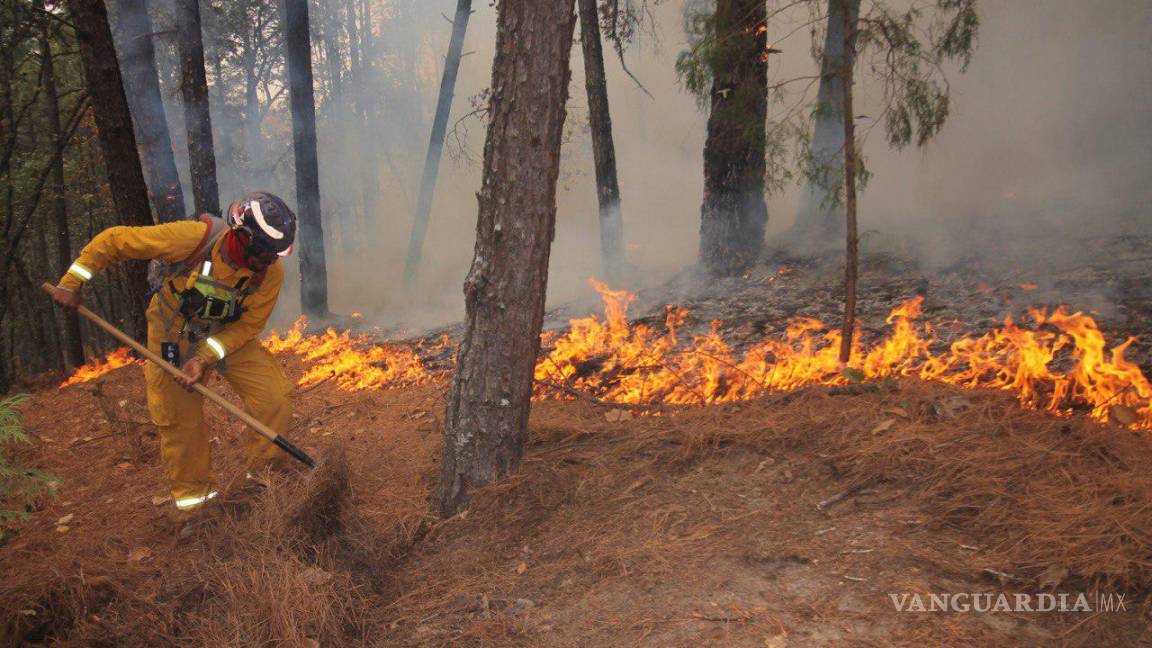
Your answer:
<point x="236" y="250"/>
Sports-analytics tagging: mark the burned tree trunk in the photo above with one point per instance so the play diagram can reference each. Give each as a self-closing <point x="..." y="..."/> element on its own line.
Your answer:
<point x="142" y="86"/>
<point x="117" y="141"/>
<point x="818" y="216"/>
<point x="733" y="215"/>
<point x="851" y="257"/>
<point x="487" y="417"/>
<point x="603" y="149"/>
<point x="197" y="118"/>
<point x="72" y="341"/>
<point x="298" y="49"/>
<point x="436" y="141"/>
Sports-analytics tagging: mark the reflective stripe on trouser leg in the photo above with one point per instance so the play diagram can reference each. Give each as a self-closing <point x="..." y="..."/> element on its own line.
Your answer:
<point x="257" y="376"/>
<point x="192" y="502"/>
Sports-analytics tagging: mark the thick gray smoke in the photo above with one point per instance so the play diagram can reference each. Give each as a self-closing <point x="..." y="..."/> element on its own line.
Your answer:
<point x="1047" y="142"/>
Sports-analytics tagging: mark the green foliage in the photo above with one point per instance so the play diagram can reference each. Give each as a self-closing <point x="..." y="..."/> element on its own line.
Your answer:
<point x="694" y="65"/>
<point x="906" y="52"/>
<point x="19" y="486"/>
<point x="901" y="48"/>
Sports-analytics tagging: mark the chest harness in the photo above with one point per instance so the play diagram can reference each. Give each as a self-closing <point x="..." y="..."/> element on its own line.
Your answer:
<point x="205" y="305"/>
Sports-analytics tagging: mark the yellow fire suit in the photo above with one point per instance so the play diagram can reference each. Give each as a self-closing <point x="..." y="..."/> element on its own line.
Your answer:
<point x="234" y="349"/>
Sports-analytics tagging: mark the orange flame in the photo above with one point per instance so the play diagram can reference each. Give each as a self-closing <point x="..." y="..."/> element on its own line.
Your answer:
<point x="635" y="364"/>
<point x="352" y="362"/>
<point x="121" y="357"/>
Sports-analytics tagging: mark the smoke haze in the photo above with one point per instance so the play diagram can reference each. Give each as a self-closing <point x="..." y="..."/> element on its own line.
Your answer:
<point x="1047" y="140"/>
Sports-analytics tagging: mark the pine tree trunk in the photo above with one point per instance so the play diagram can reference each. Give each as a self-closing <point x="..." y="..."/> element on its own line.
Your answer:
<point x="436" y="141"/>
<point x="487" y="416"/>
<point x="197" y="118"/>
<point x="733" y="215"/>
<point x="851" y="257"/>
<point x="313" y="270"/>
<point x="117" y="141"/>
<point x="818" y="217"/>
<point x="366" y="107"/>
<point x="603" y="148"/>
<point x="142" y="86"/>
<point x="72" y="340"/>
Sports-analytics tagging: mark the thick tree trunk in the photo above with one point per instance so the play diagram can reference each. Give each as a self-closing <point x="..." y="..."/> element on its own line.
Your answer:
<point x="313" y="270"/>
<point x="851" y="257"/>
<point x="733" y="215"/>
<point x="142" y="86"/>
<point x="818" y="216"/>
<point x="603" y="149"/>
<point x="436" y="141"/>
<point x="197" y="118"/>
<point x="487" y="417"/>
<point x="117" y="141"/>
<point x="72" y="340"/>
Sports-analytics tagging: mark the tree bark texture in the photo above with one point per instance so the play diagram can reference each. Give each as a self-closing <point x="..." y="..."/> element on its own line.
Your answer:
<point x="197" y="118"/>
<point x="117" y="141"/>
<point x="851" y="256"/>
<point x="818" y="218"/>
<point x="603" y="148"/>
<point x="142" y="86"/>
<point x="436" y="141"/>
<point x="734" y="215"/>
<point x="487" y="415"/>
<point x="313" y="270"/>
<point x="72" y="341"/>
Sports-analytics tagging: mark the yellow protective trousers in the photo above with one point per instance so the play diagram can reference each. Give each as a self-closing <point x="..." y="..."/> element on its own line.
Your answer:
<point x="179" y="414"/>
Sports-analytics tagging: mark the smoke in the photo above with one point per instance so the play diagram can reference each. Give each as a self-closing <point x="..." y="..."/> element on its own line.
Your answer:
<point x="1046" y="143"/>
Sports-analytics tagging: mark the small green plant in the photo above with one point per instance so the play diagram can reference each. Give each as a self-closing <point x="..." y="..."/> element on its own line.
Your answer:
<point x="19" y="486"/>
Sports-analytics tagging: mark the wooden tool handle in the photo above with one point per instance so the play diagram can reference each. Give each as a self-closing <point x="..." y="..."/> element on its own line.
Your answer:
<point x="166" y="366"/>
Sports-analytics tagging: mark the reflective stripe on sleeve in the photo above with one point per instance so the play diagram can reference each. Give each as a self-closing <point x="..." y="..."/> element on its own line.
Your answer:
<point x="189" y="502"/>
<point x="217" y="347"/>
<point x="80" y="271"/>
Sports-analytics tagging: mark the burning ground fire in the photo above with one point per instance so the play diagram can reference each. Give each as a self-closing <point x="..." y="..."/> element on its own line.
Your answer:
<point x="121" y="357"/>
<point x="1059" y="363"/>
<point x="352" y="362"/>
<point x="610" y="360"/>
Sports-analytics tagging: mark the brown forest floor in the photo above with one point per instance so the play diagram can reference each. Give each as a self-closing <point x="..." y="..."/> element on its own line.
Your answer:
<point x="779" y="522"/>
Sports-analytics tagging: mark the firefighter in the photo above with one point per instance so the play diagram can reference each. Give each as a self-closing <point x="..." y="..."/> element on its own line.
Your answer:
<point x="216" y="281"/>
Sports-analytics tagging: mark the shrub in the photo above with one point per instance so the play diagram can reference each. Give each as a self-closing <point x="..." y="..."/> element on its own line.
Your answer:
<point x="20" y="486"/>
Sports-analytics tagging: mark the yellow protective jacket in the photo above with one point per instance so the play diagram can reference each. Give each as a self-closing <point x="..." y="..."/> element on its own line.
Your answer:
<point x="173" y="243"/>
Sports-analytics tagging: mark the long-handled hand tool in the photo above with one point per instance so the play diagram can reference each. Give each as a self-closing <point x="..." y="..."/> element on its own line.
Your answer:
<point x="264" y="430"/>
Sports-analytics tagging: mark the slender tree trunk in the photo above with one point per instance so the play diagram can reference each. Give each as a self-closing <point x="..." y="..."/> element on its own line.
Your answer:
<point x="138" y="61"/>
<point x="117" y="141"/>
<point x="366" y="106"/>
<point x="38" y="313"/>
<point x="73" y="343"/>
<point x="436" y="141"/>
<point x="313" y="270"/>
<point x="197" y="118"/>
<point x="733" y="215"/>
<point x="253" y="118"/>
<point x="603" y="149"/>
<point x="487" y="417"/>
<point x="851" y="257"/>
<point x="819" y="213"/>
